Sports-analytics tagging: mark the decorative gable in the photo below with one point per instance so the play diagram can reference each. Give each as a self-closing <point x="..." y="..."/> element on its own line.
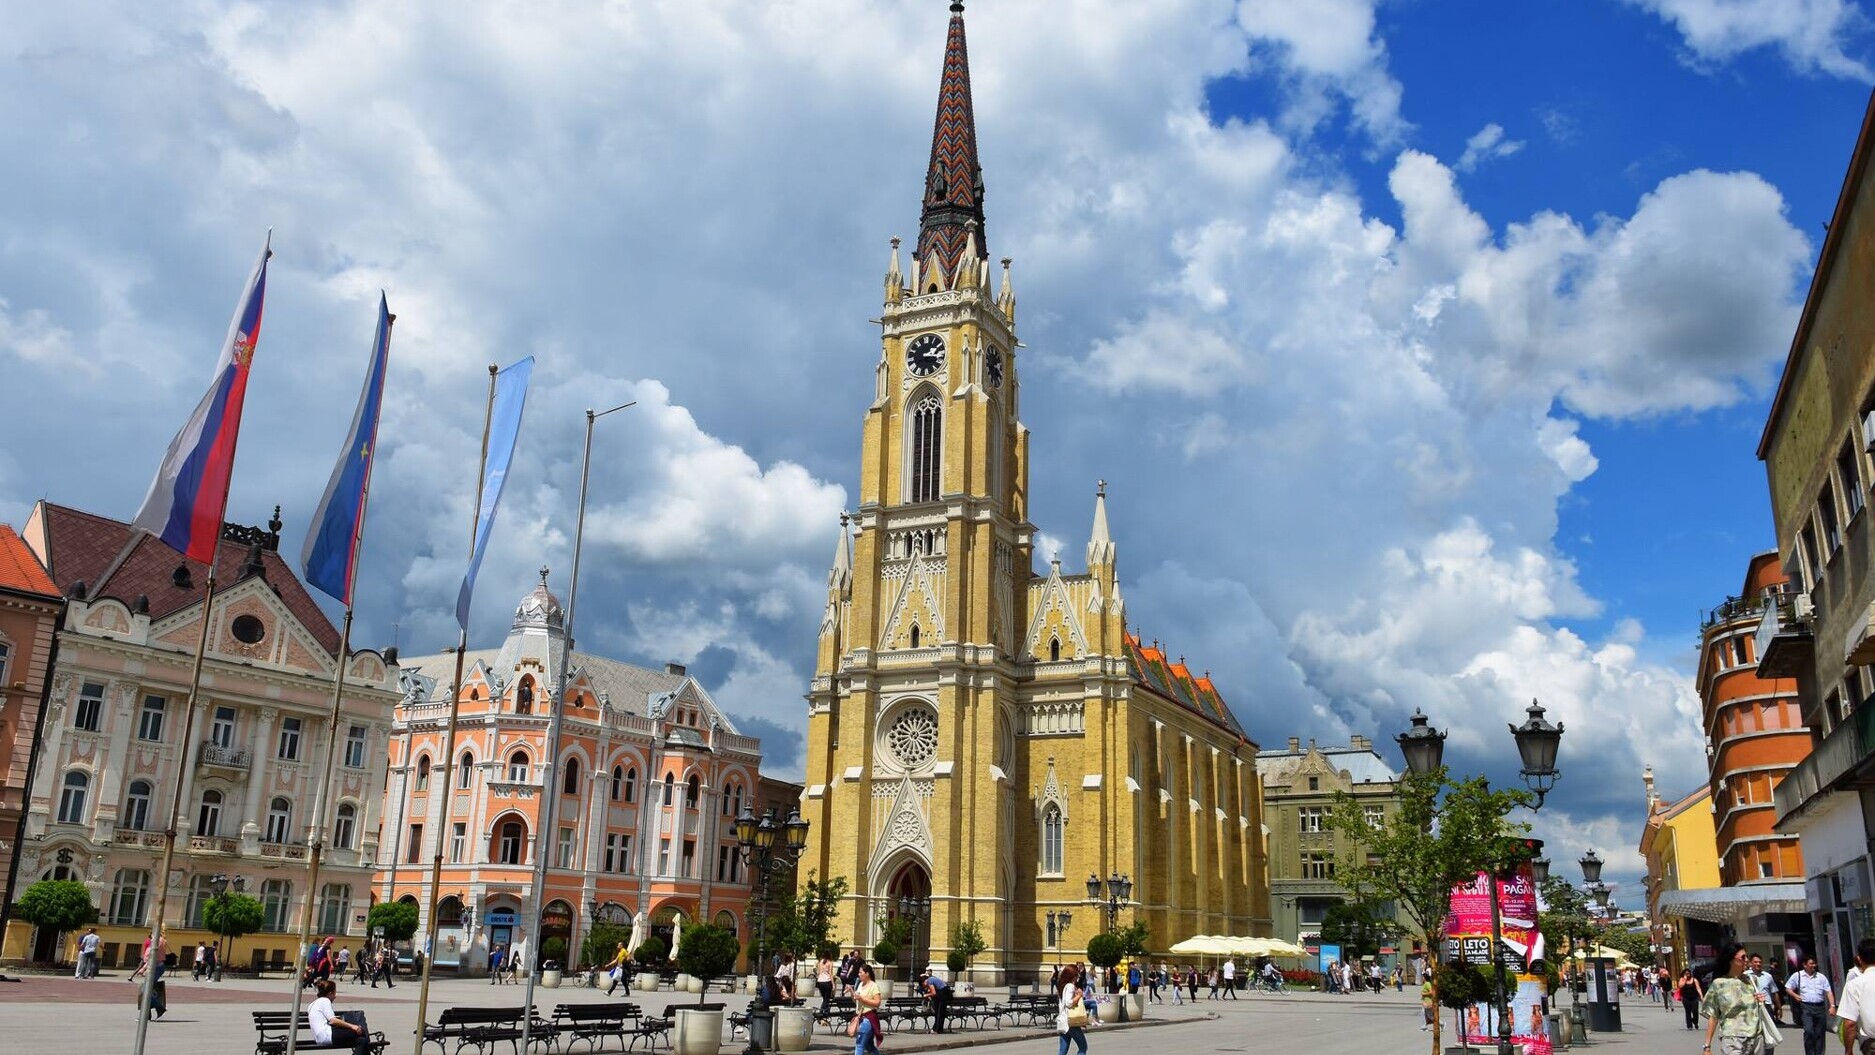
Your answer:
<point x="917" y="604"/>
<point x="1055" y="619"/>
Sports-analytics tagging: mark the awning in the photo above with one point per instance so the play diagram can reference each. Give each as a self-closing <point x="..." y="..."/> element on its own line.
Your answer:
<point x="1721" y="904"/>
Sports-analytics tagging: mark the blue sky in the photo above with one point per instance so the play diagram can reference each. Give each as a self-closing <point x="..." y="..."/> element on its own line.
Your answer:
<point x="1425" y="345"/>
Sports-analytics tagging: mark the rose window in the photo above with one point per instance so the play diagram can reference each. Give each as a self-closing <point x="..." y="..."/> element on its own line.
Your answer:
<point x="913" y="738"/>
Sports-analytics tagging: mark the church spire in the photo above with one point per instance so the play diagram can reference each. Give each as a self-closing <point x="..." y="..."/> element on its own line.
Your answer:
<point x="953" y="188"/>
<point x="1100" y="543"/>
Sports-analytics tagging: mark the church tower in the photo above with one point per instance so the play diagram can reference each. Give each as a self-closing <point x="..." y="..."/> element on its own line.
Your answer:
<point x="980" y="737"/>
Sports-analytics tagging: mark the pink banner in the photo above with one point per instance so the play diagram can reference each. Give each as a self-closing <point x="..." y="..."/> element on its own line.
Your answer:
<point x="1468" y="938"/>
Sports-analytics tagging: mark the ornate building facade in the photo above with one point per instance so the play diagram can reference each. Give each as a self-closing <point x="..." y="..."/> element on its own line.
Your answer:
<point x="650" y="778"/>
<point x="29" y="617"/>
<point x="980" y="734"/>
<point x="112" y="748"/>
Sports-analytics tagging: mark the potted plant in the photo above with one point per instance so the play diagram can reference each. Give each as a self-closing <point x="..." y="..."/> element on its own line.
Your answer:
<point x="884" y="955"/>
<point x="1104" y="952"/>
<point x="966" y="944"/>
<point x="1134" y="951"/>
<point x="1461" y="986"/>
<point x="707" y="951"/>
<point x="649" y="955"/>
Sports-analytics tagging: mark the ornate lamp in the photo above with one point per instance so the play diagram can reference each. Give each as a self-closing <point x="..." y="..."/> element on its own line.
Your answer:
<point x="1537" y="741"/>
<point x="1421" y="745"/>
<point x="745" y="828"/>
<point x="1539" y="868"/>
<point x="1591" y="868"/>
<point x="796" y="829"/>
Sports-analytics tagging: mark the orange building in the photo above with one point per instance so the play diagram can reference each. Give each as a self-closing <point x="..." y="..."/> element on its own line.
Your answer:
<point x="29" y="616"/>
<point x="1755" y="733"/>
<point x="650" y="779"/>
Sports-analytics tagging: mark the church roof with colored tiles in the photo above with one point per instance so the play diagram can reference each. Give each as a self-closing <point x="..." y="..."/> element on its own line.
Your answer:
<point x="19" y="569"/>
<point x="953" y="191"/>
<point x="114" y="560"/>
<point x="1175" y="682"/>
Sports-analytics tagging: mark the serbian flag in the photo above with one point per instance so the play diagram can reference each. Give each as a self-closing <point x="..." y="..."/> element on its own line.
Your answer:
<point x="190" y="493"/>
<point x="331" y="553"/>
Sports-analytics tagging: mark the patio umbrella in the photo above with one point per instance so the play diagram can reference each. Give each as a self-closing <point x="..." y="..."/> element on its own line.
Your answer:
<point x="1204" y="945"/>
<point x="677" y="933"/>
<point x="638" y="933"/>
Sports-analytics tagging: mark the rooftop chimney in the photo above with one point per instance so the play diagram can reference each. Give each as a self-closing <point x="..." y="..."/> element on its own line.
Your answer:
<point x="676" y="669"/>
<point x="1361" y="743"/>
<point x="1295" y="743"/>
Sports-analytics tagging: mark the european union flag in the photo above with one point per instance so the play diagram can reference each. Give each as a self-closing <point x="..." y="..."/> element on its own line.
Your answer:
<point x="331" y="555"/>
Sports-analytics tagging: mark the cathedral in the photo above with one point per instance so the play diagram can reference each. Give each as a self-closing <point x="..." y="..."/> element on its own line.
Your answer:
<point x="984" y="740"/>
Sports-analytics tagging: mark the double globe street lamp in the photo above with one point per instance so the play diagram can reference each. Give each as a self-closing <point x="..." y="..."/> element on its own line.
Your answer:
<point x="765" y="845"/>
<point x="1112" y="892"/>
<point x="1537" y="740"/>
<point x="220" y="882"/>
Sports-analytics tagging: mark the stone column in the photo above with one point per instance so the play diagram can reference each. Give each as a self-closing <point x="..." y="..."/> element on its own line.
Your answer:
<point x="260" y="752"/>
<point x="115" y="760"/>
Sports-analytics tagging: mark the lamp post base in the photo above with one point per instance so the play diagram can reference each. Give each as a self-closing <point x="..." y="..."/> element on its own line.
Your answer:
<point x="761" y="1022"/>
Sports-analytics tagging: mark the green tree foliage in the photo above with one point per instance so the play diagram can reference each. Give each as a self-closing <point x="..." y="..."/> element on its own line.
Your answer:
<point x="966" y="943"/>
<point x="885" y="953"/>
<point x="1630" y="942"/>
<point x="956" y="961"/>
<point x="398" y="919"/>
<point x="652" y="954"/>
<point x="802" y="921"/>
<point x="602" y="942"/>
<point x="1359" y="927"/>
<point x="1105" y="950"/>
<point x="1133" y="940"/>
<point x="58" y="904"/>
<point x="553" y="951"/>
<point x="707" y="951"/>
<point x="233" y="914"/>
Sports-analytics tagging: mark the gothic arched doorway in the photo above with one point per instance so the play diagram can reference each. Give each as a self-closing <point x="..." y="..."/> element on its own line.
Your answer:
<point x="908" y="907"/>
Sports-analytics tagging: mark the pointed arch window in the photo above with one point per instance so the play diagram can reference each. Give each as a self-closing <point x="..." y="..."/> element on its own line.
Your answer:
<point x="631" y="784"/>
<point x="914" y="635"/>
<point x="517" y="768"/>
<point x="465" y="771"/>
<point x="618" y="782"/>
<point x="1054" y="650"/>
<point x="670" y="789"/>
<point x="925" y="431"/>
<point x="570" y="786"/>
<point x="1054" y="832"/>
<point x="693" y="792"/>
<point x="524" y="697"/>
<point x="423" y="773"/>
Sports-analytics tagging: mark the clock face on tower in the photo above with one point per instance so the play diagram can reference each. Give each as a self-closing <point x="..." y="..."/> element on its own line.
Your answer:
<point x="925" y="355"/>
<point x="993" y="367"/>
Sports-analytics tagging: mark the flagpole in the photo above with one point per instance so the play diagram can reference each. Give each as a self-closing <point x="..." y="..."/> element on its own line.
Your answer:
<point x="549" y="810"/>
<point x="449" y="737"/>
<point x="316" y="847"/>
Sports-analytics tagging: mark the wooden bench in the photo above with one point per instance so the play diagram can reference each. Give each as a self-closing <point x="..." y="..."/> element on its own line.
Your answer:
<point x="594" y="1023"/>
<point x="275" y="1027"/>
<point x="484" y="1027"/>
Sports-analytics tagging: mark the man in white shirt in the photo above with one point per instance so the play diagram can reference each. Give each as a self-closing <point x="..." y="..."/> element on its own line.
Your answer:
<point x="1857" y="1009"/>
<point x="1760" y="979"/>
<point x="1230" y="979"/>
<point x="88" y="955"/>
<point x="1816" y="1004"/>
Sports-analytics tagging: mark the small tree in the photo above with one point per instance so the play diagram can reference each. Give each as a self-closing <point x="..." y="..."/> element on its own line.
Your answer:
<point x="707" y="951"/>
<point x="233" y="915"/>
<point x="894" y="932"/>
<point x="652" y="952"/>
<point x="397" y="919"/>
<point x="1105" y="950"/>
<point x="602" y="942"/>
<point x="553" y="951"/>
<point x="1133" y="939"/>
<point x="59" y="905"/>
<point x="966" y="944"/>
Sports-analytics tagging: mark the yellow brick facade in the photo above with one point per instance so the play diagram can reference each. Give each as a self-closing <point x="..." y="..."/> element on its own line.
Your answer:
<point x="961" y="701"/>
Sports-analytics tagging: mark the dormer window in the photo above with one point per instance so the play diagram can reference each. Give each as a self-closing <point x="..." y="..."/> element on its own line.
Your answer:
<point x="524" y="697"/>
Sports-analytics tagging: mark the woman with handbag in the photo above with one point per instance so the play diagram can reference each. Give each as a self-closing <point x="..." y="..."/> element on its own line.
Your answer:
<point x="1071" y="1012"/>
<point x="1734" y="1009"/>
<point x="864" y="1029"/>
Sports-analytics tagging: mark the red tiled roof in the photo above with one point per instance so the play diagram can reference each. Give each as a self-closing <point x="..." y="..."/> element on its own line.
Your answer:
<point x="113" y="560"/>
<point x="19" y="569"/>
<point x="1174" y="681"/>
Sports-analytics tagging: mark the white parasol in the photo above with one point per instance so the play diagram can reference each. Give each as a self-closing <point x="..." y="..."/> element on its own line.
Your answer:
<point x="638" y="934"/>
<point x="677" y="933"/>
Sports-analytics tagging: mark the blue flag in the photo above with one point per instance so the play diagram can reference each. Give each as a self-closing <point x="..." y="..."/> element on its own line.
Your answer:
<point x="331" y="549"/>
<point x="504" y="427"/>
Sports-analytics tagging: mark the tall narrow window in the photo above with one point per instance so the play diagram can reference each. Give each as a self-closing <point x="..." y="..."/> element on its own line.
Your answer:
<point x="1826" y="516"/>
<point x="1052" y="832"/>
<point x="90" y="710"/>
<point x="201" y="891"/>
<point x="289" y="738"/>
<point x="618" y="782"/>
<point x="670" y="789"/>
<point x="512" y="837"/>
<point x="631" y="784"/>
<point x="335" y="908"/>
<point x="344" y="825"/>
<point x="355" y="747"/>
<point x="690" y="858"/>
<point x="73" y="797"/>
<point x="275" y="896"/>
<point x="279" y="820"/>
<point x="1848" y="467"/>
<point x="524" y="697"/>
<point x="208" y="817"/>
<point x="458" y="842"/>
<point x="1054" y="649"/>
<point x="413" y="848"/>
<point x="130" y="895"/>
<point x="465" y="771"/>
<point x="137" y="806"/>
<point x="564" y="855"/>
<point x="222" y="731"/>
<point x="570" y="785"/>
<point x="927" y="447"/>
<point x="150" y="722"/>
<point x="693" y="793"/>
<point x="423" y="773"/>
<point x="517" y="768"/>
<point x="914" y="635"/>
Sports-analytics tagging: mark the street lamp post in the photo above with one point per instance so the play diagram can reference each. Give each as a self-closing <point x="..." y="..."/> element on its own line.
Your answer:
<point x="221" y="882"/>
<point x="1537" y="741"/>
<point x="1058" y="923"/>
<point x="765" y="844"/>
<point x="916" y="911"/>
<point x="1112" y="893"/>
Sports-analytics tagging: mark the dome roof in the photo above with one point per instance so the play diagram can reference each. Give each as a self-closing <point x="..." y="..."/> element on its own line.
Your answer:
<point x="540" y="608"/>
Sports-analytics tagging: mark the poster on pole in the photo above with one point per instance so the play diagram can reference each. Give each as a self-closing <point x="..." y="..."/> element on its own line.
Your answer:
<point x="1468" y="938"/>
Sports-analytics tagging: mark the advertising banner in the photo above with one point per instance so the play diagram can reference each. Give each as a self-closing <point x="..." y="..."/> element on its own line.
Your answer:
<point x="1468" y="938"/>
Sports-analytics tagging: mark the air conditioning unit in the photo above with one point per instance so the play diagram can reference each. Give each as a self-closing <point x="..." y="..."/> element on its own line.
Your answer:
<point x="1868" y="432"/>
<point x="1801" y="607"/>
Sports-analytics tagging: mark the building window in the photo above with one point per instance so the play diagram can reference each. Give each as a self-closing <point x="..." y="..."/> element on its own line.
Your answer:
<point x="72" y="797"/>
<point x="1054" y="649"/>
<point x="690" y="858"/>
<point x="1376" y="816"/>
<point x="618" y="782"/>
<point x="289" y="739"/>
<point x="465" y="771"/>
<point x="570" y="785"/>
<point x="524" y="697"/>
<point x="279" y="820"/>
<point x="344" y="826"/>
<point x="150" y="722"/>
<point x="670" y="789"/>
<point x="631" y="784"/>
<point x="201" y="890"/>
<point x="1053" y="837"/>
<point x="413" y="851"/>
<point x="355" y="747"/>
<point x="423" y="773"/>
<point x="1311" y="819"/>
<point x="6" y="653"/>
<point x="512" y="837"/>
<point x="1808" y="538"/>
<point x="732" y="800"/>
<point x="222" y="731"/>
<point x="90" y="707"/>
<point x="664" y="857"/>
<point x="1315" y="783"/>
<point x="208" y="816"/>
<point x="517" y="768"/>
<point x="275" y="897"/>
<point x="458" y="842"/>
<point x="564" y="854"/>
<point x="130" y="896"/>
<point x="1849" y="469"/>
<point x="137" y="807"/>
<point x="1317" y="865"/>
<point x="927" y="446"/>
<point x="693" y="793"/>
<point x="335" y="908"/>
<point x="1826" y="516"/>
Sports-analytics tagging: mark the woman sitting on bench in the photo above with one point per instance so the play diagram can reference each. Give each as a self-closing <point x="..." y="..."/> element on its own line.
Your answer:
<point x="326" y="1023"/>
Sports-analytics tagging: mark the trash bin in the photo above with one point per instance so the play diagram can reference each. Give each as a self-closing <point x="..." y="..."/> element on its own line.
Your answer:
<point x="1559" y="1037"/>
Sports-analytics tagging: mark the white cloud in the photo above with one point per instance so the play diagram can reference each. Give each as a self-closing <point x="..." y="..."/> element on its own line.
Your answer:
<point x="34" y="337"/>
<point x="1487" y="144"/>
<point x="1328" y="49"/>
<point x="1812" y="35"/>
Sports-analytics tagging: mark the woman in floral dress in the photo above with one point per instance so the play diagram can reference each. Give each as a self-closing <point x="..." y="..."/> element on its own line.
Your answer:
<point x="1731" y="1006"/>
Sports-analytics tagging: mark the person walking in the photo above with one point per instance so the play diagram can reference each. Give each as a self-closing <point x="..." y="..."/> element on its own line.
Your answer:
<point x="1155" y="979"/>
<point x="1857" y="1008"/>
<point x="87" y="955"/>
<point x="823" y="980"/>
<point x="783" y="995"/>
<point x="1178" y="984"/>
<point x="1690" y="993"/>
<point x="1191" y="980"/>
<point x="866" y="1001"/>
<point x="386" y="967"/>
<point x="1212" y="979"/>
<point x="494" y="965"/>
<point x="159" y="989"/>
<point x="344" y="961"/>
<point x="1761" y="980"/>
<point x="201" y="962"/>
<point x="1230" y="978"/>
<point x="615" y="970"/>
<point x="1428" y="1003"/>
<point x="1815" y="1002"/>
<point x="1070" y="1026"/>
<point x="330" y="1030"/>
<point x="1732" y="1008"/>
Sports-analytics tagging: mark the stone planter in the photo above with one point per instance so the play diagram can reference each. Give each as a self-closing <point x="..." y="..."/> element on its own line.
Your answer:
<point x="1108" y="1010"/>
<point x="687" y="983"/>
<point x="886" y="988"/>
<point x="1136" y="1006"/>
<point x="550" y="979"/>
<point x="794" y="1028"/>
<point x="645" y="982"/>
<point x="697" y="1032"/>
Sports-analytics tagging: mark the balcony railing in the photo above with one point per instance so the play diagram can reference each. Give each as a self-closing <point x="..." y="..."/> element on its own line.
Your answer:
<point x="289" y="851"/>
<point x="214" y="844"/>
<point x="1784" y="642"/>
<point x="1731" y="608"/>
<point x="213" y="754"/>
<point x="1840" y="754"/>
